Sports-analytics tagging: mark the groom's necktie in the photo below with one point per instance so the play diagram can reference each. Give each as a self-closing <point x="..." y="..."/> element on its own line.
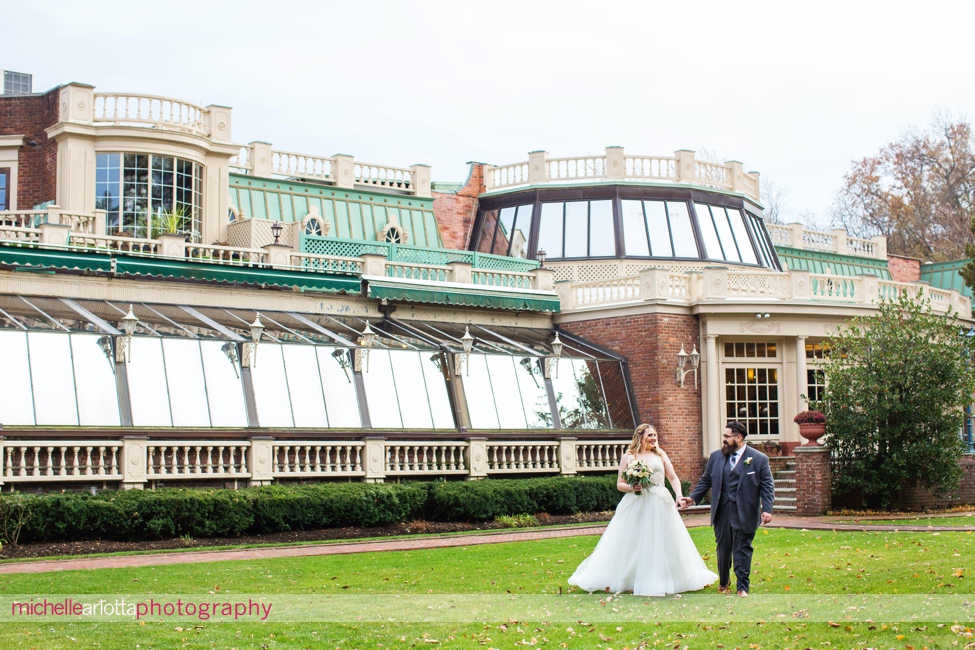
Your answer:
<point x="733" y="460"/>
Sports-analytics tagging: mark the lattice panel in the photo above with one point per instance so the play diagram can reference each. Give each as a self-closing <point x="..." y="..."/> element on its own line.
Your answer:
<point x="239" y="234"/>
<point x="590" y="272"/>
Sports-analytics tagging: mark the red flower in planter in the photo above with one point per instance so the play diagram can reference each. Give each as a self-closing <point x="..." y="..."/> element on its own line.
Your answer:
<point x="806" y="417"/>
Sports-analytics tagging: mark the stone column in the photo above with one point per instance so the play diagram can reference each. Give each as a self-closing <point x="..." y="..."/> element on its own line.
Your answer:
<point x="567" y="456"/>
<point x="460" y="272"/>
<point x="375" y="457"/>
<point x="615" y="162"/>
<point x="801" y="385"/>
<point x="477" y="459"/>
<point x="712" y="422"/>
<point x="537" y="166"/>
<point x="134" y="459"/>
<point x="278" y="255"/>
<point x="813" y="480"/>
<point x="259" y="158"/>
<point x="421" y="179"/>
<point x="262" y="460"/>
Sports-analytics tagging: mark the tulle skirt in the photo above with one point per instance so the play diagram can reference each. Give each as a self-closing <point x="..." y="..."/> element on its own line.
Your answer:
<point x="645" y="549"/>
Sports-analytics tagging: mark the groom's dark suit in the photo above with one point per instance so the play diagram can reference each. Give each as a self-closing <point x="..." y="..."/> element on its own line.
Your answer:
<point x="738" y="498"/>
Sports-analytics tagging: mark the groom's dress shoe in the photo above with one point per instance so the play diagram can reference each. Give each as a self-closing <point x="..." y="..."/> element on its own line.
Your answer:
<point x="742" y="593"/>
<point x="724" y="589"/>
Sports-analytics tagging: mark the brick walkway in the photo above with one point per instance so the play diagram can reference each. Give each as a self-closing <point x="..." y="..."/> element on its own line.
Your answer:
<point x="440" y="541"/>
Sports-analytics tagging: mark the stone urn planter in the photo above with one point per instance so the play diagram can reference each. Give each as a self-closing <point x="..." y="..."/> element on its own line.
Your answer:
<point x="812" y="432"/>
<point x="812" y="426"/>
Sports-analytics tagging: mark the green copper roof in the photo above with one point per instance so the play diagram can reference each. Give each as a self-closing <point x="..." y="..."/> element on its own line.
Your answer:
<point x="445" y="294"/>
<point x="823" y="262"/>
<point x="351" y="214"/>
<point x="945" y="275"/>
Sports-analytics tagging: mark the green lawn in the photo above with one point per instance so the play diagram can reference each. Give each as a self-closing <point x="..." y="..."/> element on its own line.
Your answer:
<point x="811" y="589"/>
<point x="963" y="520"/>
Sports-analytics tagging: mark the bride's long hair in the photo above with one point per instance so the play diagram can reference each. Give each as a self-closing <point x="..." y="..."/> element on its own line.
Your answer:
<point x="636" y="445"/>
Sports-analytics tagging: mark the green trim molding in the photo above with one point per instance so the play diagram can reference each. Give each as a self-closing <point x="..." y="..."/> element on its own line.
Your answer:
<point x="461" y="295"/>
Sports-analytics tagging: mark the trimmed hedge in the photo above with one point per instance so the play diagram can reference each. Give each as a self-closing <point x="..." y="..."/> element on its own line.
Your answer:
<point x="174" y="512"/>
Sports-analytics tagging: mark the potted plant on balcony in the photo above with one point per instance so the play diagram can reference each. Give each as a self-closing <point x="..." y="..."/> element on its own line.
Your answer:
<point x="812" y="426"/>
<point x="168" y="228"/>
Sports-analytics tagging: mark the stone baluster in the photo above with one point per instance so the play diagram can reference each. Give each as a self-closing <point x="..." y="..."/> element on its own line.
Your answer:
<point x="537" y="167"/>
<point x="343" y="170"/>
<point x="686" y="172"/>
<point x="615" y="164"/>
<point x="421" y="179"/>
<point x="259" y="157"/>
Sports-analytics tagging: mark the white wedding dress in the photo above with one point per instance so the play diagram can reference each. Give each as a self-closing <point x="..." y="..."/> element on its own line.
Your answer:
<point x="645" y="548"/>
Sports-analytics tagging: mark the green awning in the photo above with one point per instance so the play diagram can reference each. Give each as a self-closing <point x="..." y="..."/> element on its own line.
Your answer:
<point x="443" y="293"/>
<point x="38" y="258"/>
<point x="253" y="275"/>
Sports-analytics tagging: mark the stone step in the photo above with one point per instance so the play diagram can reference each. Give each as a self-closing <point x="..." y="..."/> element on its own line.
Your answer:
<point x="780" y="508"/>
<point x="785" y="473"/>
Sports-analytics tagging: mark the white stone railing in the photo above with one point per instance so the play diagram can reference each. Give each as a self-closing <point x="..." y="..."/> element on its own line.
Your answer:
<point x="325" y="263"/>
<point x="715" y="283"/>
<point x="60" y="460"/>
<point x="426" y="458"/>
<point x="215" y="254"/>
<point x="522" y="457"/>
<point x="131" y="245"/>
<point x="795" y="235"/>
<point x="420" y="272"/>
<point x="599" y="456"/>
<point x="504" y="279"/>
<point x="682" y="168"/>
<point x="137" y="462"/>
<point x="152" y="110"/>
<point x="197" y="459"/>
<point x="259" y="159"/>
<point x="317" y="459"/>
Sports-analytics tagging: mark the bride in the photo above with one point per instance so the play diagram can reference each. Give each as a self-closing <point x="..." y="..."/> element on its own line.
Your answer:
<point x="645" y="548"/>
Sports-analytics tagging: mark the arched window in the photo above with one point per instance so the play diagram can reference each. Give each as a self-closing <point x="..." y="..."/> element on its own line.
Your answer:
<point x="313" y="226"/>
<point x="393" y="235"/>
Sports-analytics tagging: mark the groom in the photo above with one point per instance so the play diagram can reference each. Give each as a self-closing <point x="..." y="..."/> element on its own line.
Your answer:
<point x="742" y="488"/>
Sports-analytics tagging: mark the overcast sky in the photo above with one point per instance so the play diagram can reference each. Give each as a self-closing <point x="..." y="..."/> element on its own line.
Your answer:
<point x="796" y="91"/>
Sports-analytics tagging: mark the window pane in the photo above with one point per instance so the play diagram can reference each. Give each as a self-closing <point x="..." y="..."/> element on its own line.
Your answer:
<point x="489" y="223"/>
<point x="187" y="386"/>
<point x="225" y="392"/>
<point x="52" y="378"/>
<point x="147" y="383"/>
<point x="94" y="376"/>
<point x="576" y="228"/>
<point x="602" y="232"/>
<point x="381" y="391"/>
<point x="579" y="396"/>
<point x="511" y="413"/>
<point x="503" y="237"/>
<point x="17" y="404"/>
<point x="681" y="231"/>
<point x="741" y="236"/>
<point x="443" y="417"/>
<point x="480" y="396"/>
<point x="305" y="385"/>
<point x="659" y="232"/>
<point x="271" y="387"/>
<point x="411" y="389"/>
<point x="724" y="233"/>
<point x="534" y="397"/>
<point x="550" y="230"/>
<point x="341" y="399"/>
<point x="712" y="248"/>
<point x="634" y="229"/>
<point x="522" y="229"/>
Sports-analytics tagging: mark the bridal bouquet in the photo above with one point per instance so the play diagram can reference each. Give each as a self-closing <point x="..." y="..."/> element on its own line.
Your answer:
<point x="638" y="473"/>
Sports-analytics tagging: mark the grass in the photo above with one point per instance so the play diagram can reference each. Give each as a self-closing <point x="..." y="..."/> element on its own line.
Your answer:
<point x="962" y="520"/>
<point x="515" y="594"/>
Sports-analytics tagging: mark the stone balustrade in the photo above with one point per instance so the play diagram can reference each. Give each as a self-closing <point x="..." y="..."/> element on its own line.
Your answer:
<point x="718" y="283"/>
<point x="795" y="235"/>
<point x="259" y="159"/>
<point x="683" y="168"/>
<point x="150" y="110"/>
<point x="137" y="462"/>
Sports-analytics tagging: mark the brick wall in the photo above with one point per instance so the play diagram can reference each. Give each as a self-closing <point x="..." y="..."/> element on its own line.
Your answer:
<point x="29" y="115"/>
<point x="904" y="269"/>
<point x="650" y="343"/>
<point x="455" y="212"/>
<point x="918" y="499"/>
<point x="814" y="489"/>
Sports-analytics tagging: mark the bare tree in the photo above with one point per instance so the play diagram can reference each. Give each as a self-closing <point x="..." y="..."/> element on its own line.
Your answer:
<point x="773" y="198"/>
<point x="919" y="192"/>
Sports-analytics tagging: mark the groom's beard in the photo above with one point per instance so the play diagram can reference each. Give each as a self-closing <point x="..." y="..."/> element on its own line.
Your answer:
<point x="728" y="448"/>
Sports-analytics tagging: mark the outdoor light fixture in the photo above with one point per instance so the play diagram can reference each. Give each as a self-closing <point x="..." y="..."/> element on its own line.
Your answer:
<point x="366" y="340"/>
<point x="541" y="258"/>
<point x="467" y="341"/>
<point x="552" y="362"/>
<point x="529" y="364"/>
<point x="276" y="228"/>
<point x="123" y="343"/>
<point x="342" y="357"/>
<point x="435" y="359"/>
<point x="230" y="349"/>
<point x="249" y="354"/>
<point x="761" y="315"/>
<point x="105" y="343"/>
<point x="682" y="370"/>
